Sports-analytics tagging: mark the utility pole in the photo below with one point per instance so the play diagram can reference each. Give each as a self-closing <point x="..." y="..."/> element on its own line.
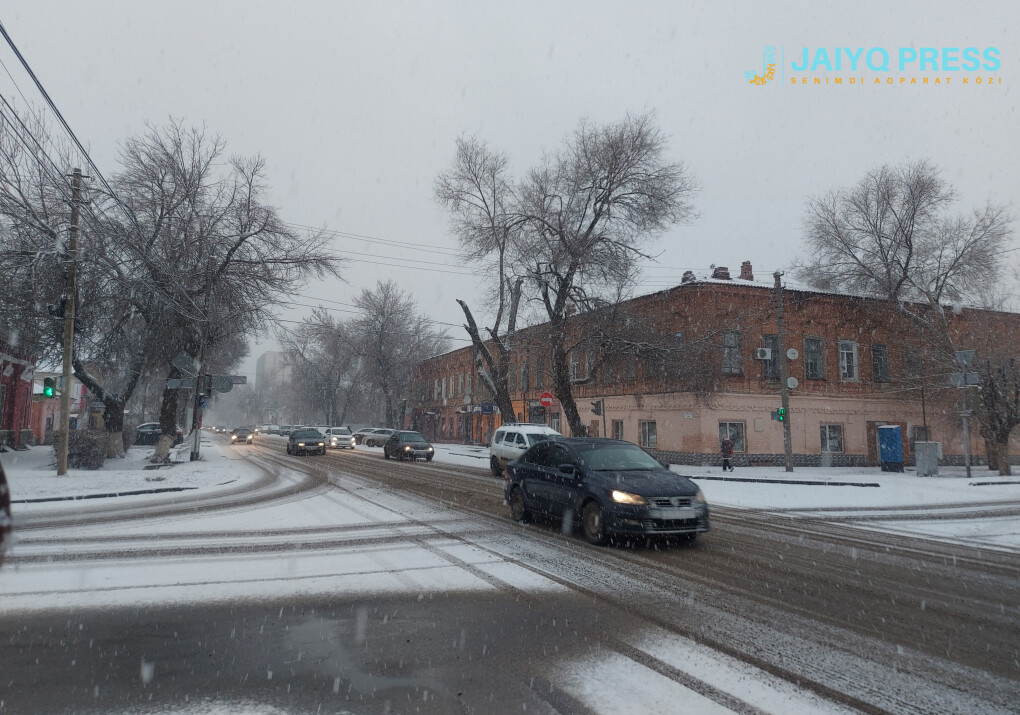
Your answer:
<point x="70" y="288"/>
<point x="784" y="389"/>
<point x="200" y="379"/>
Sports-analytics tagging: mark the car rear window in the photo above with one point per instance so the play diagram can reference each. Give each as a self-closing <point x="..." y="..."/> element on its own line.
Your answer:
<point x="536" y="438"/>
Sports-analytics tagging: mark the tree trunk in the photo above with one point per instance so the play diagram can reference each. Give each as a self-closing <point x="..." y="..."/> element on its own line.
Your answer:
<point x="1002" y="456"/>
<point x="991" y="449"/>
<point x="113" y="417"/>
<point x="565" y="393"/>
<point x="168" y="418"/>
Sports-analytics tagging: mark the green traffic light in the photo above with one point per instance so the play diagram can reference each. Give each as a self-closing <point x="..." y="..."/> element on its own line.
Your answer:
<point x="781" y="414"/>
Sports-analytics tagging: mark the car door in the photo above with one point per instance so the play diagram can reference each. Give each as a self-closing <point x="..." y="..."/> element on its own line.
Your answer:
<point x="562" y="487"/>
<point x="532" y="479"/>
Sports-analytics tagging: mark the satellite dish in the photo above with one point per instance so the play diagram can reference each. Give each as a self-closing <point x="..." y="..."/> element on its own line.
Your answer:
<point x="792" y="382"/>
<point x="792" y="354"/>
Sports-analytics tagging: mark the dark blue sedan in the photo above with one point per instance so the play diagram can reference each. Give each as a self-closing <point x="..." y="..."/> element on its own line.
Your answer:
<point x="613" y="487"/>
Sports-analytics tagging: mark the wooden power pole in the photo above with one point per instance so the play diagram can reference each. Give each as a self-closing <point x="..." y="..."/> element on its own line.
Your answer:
<point x="70" y="288"/>
<point x="784" y="388"/>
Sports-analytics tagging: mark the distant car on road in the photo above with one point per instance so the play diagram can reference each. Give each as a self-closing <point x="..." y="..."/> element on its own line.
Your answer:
<point x="511" y="440"/>
<point x="339" y="438"/>
<point x="242" y="435"/>
<point x="285" y="430"/>
<point x="377" y="437"/>
<point x="149" y="433"/>
<point x="613" y="487"/>
<point x="404" y="444"/>
<point x="306" y="441"/>
<point x="359" y="435"/>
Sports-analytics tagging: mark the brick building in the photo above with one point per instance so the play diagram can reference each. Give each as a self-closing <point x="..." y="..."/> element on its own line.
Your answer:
<point x="859" y="363"/>
<point x="16" y="372"/>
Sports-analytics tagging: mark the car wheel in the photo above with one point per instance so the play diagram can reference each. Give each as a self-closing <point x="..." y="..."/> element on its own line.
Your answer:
<point x="518" y="509"/>
<point x="594" y="524"/>
<point x="494" y="467"/>
<point x="288" y="449"/>
<point x="385" y="453"/>
<point x="428" y="458"/>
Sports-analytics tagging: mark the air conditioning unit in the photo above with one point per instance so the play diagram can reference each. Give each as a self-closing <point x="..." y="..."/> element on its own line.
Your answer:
<point x="763" y="353"/>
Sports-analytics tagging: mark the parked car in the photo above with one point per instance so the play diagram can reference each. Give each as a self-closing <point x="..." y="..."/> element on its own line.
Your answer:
<point x="286" y="430"/>
<point x="242" y="435"/>
<point x="306" y="441"/>
<point x="339" y="438"/>
<point x="359" y="436"/>
<point x="377" y="437"/>
<point x="511" y="440"/>
<point x="149" y="433"/>
<point x="404" y="444"/>
<point x="611" y="486"/>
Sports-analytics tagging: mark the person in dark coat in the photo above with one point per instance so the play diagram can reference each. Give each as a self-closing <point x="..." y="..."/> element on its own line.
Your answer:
<point x="5" y="515"/>
<point x="727" y="454"/>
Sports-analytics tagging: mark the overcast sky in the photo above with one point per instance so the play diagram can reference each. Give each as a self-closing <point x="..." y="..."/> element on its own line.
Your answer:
<point x="356" y="107"/>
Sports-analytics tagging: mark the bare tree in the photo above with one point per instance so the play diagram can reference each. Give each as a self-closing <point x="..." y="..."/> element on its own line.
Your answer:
<point x="478" y="193"/>
<point x="589" y="209"/>
<point x="999" y="407"/>
<point x="323" y="359"/>
<point x="392" y="337"/>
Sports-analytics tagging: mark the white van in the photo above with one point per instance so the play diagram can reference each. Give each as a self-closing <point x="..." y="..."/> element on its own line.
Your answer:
<point x="512" y="440"/>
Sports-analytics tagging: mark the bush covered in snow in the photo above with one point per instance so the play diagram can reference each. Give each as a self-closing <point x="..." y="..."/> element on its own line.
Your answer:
<point x="86" y="449"/>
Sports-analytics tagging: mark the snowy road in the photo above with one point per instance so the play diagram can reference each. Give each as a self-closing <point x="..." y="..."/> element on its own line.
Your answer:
<point x="343" y="583"/>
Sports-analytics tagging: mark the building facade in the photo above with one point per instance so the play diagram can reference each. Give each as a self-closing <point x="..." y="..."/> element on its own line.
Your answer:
<point x="680" y="369"/>
<point x="17" y="371"/>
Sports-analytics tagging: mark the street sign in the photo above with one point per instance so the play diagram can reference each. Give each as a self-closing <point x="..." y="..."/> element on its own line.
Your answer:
<point x="546" y="399"/>
<point x="963" y="379"/>
<point x="173" y="383"/>
<point x="964" y="357"/>
<point x="222" y="383"/>
<point x="185" y="363"/>
<point x="239" y="379"/>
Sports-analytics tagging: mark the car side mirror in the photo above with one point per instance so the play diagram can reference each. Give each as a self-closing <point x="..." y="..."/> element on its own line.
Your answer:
<point x="664" y="465"/>
<point x="567" y="469"/>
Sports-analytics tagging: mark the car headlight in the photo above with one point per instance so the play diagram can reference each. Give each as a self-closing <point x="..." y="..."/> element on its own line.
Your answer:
<point x="407" y="448"/>
<point x="322" y="444"/>
<point x="233" y="436"/>
<point x="628" y="498"/>
<point x="699" y="497"/>
<point x="431" y="450"/>
<point x="300" y="444"/>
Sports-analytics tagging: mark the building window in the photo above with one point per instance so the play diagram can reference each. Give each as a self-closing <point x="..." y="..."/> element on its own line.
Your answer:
<point x="913" y="363"/>
<point x="735" y="431"/>
<point x="444" y="388"/>
<point x="880" y="363"/>
<point x="554" y="421"/>
<point x="524" y="376"/>
<point x="814" y="359"/>
<point x="649" y="436"/>
<point x="575" y="365"/>
<point x="731" y="364"/>
<point x="772" y="364"/>
<point x="511" y="382"/>
<point x="832" y="438"/>
<point x="460" y="384"/>
<point x="467" y="384"/>
<point x="629" y="366"/>
<point x="435" y="390"/>
<point x="617" y="429"/>
<point x="538" y="373"/>
<point x="848" y="361"/>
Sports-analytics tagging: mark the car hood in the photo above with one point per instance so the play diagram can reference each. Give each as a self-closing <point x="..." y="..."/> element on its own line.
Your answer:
<point x="415" y="445"/>
<point x="647" y="483"/>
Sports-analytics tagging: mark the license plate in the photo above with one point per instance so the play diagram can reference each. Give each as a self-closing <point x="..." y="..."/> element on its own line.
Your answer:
<point x="683" y="512"/>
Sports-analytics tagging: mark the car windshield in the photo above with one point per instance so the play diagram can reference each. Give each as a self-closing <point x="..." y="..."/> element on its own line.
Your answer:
<point x="306" y="434"/>
<point x="615" y="457"/>
<point x="411" y="437"/>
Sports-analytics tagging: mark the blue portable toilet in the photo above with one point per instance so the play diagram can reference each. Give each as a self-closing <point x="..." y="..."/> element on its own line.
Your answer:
<point x="890" y="448"/>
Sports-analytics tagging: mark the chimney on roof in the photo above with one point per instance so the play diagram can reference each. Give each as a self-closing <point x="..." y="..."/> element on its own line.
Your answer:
<point x="688" y="277"/>
<point x="745" y="271"/>
<point x="722" y="273"/>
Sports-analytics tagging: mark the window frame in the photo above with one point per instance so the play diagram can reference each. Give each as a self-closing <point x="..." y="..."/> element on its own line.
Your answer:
<point x="740" y="444"/>
<point x="770" y="367"/>
<point x="819" y="354"/>
<point x="849" y="347"/>
<point x="880" y="359"/>
<point x="732" y="358"/>
<point x="617" y="433"/>
<point x="648" y="440"/>
<point x="824" y="437"/>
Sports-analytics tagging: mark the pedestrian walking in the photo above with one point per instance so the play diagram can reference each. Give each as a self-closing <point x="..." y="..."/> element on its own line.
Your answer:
<point x="727" y="454"/>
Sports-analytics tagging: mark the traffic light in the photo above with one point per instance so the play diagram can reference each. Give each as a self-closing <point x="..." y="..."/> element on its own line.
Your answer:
<point x="596" y="407"/>
<point x="781" y="414"/>
<point x="49" y="387"/>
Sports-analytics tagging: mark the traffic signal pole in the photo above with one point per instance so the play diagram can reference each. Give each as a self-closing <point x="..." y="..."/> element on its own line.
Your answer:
<point x="70" y="276"/>
<point x="784" y="389"/>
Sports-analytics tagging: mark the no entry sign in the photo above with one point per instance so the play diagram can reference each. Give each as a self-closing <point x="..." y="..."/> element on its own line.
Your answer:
<point x="546" y="399"/>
